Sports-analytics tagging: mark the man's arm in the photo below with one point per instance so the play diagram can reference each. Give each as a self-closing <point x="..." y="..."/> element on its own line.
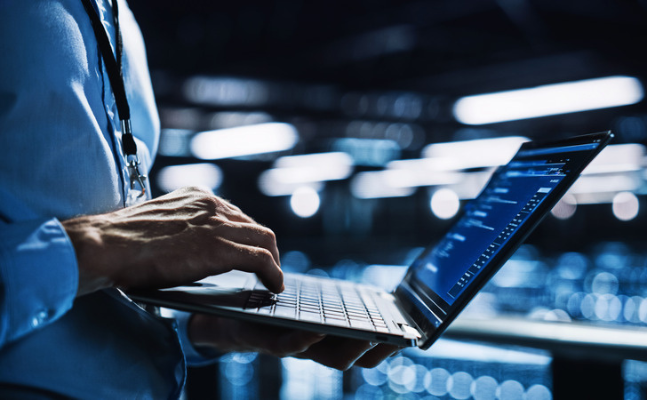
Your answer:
<point x="175" y="239"/>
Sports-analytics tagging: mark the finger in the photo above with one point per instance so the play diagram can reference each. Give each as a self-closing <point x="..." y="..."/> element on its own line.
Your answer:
<point x="338" y="353"/>
<point x="376" y="355"/>
<point x="282" y="342"/>
<point x="257" y="260"/>
<point x="204" y="200"/>
<point x="234" y="213"/>
<point x="250" y="336"/>
<point x="249" y="234"/>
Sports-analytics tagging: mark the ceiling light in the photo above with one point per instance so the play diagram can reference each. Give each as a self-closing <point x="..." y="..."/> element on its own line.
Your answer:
<point x="625" y="206"/>
<point x="554" y="99"/>
<point x="175" y="177"/>
<point x="473" y="153"/>
<point x="376" y="184"/>
<point x="244" y="141"/>
<point x="305" y="202"/>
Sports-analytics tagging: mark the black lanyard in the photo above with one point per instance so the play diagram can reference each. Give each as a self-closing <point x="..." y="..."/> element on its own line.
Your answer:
<point x="116" y="77"/>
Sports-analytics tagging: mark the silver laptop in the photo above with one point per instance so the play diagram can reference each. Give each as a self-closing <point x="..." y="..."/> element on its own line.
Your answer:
<point x="439" y="283"/>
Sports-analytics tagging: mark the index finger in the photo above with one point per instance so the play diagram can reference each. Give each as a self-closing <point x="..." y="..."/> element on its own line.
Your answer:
<point x="250" y="234"/>
<point x="257" y="260"/>
<point x="234" y="213"/>
<point x="337" y="352"/>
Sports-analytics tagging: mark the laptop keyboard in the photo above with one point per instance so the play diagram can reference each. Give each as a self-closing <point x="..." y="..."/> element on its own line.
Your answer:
<point x="324" y="301"/>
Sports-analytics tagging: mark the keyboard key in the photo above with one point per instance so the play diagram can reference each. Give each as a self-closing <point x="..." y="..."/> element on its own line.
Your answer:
<point x="356" y="315"/>
<point x="284" y="312"/>
<point x="336" y="303"/>
<point x="309" y="316"/>
<point x="362" y="325"/>
<point x="336" y="322"/>
<point x="335" y="316"/>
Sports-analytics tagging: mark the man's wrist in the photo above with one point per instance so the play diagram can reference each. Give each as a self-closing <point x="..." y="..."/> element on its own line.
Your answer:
<point x="86" y="239"/>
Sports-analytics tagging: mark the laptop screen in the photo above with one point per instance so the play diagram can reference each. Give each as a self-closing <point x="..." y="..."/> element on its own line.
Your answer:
<point x="492" y="226"/>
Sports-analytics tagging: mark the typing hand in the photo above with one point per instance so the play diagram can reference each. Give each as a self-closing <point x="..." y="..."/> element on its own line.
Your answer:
<point x="175" y="239"/>
<point x="228" y="335"/>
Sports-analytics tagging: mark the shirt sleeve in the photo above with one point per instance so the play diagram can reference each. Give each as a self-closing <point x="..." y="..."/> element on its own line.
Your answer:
<point x="38" y="276"/>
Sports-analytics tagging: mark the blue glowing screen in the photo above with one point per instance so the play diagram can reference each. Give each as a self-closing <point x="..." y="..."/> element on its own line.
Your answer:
<point x="489" y="221"/>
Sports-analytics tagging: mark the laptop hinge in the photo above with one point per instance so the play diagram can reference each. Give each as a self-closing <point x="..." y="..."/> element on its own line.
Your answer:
<point x="411" y="322"/>
<point x="410" y="331"/>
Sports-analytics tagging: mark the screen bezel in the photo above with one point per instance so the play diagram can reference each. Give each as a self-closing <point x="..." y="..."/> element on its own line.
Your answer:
<point x="431" y="330"/>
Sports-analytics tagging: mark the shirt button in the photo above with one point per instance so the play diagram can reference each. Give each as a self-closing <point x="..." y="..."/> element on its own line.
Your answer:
<point x="41" y="317"/>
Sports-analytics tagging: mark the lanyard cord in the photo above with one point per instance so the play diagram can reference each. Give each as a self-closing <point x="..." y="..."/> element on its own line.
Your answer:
<point x="116" y="77"/>
<point x="115" y="71"/>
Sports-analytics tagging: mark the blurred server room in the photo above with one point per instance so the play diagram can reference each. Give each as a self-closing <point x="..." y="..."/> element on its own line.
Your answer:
<point x="353" y="129"/>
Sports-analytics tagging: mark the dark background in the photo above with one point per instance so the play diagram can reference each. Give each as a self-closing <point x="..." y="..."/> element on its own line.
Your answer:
<point x="329" y="66"/>
<point x="331" y="63"/>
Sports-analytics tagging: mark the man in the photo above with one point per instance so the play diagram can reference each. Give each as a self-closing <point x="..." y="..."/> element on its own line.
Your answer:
<point x="73" y="230"/>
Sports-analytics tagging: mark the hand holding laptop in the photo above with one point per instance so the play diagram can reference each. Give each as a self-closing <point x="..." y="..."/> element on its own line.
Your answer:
<point x="227" y="335"/>
<point x="175" y="239"/>
<point x="184" y="237"/>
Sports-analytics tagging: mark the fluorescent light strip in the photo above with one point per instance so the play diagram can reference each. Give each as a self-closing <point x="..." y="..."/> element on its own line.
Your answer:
<point x="306" y="174"/>
<point x="225" y="91"/>
<point x="244" y="141"/>
<point x="617" y="158"/>
<point x="291" y="172"/>
<point x="562" y="98"/>
<point x="175" y="177"/>
<point x="606" y="183"/>
<point x="375" y="184"/>
<point x="318" y="160"/>
<point x="273" y="189"/>
<point x="472" y="153"/>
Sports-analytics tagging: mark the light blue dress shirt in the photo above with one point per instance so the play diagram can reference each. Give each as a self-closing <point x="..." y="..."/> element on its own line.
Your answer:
<point x="60" y="156"/>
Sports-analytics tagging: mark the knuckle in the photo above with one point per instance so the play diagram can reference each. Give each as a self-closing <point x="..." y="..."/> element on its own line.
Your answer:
<point x="264" y="255"/>
<point x="268" y="236"/>
<point x="220" y="222"/>
<point x="198" y="190"/>
<point x="212" y="205"/>
<point x="211" y="202"/>
<point x="232" y="206"/>
<point x="341" y="365"/>
<point x="269" y="233"/>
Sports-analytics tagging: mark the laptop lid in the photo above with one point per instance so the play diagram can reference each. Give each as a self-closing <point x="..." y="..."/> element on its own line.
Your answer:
<point x="444" y="278"/>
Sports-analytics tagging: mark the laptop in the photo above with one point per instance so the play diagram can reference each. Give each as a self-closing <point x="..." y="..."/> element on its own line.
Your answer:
<point x="438" y="284"/>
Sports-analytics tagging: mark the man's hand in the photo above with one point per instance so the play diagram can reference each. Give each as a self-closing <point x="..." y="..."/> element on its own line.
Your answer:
<point x="226" y="335"/>
<point x="175" y="239"/>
